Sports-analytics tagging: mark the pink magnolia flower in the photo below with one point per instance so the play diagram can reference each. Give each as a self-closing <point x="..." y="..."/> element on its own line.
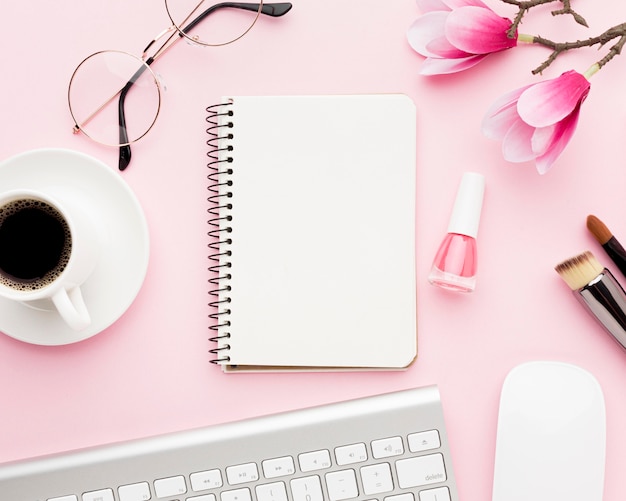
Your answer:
<point x="537" y="121"/>
<point x="455" y="35"/>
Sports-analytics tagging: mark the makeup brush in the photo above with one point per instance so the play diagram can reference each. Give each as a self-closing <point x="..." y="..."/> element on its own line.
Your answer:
<point x="608" y="242"/>
<point x="578" y="271"/>
<point x="598" y="291"/>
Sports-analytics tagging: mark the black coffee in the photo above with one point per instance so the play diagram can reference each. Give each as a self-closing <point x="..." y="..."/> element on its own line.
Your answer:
<point x="35" y="244"/>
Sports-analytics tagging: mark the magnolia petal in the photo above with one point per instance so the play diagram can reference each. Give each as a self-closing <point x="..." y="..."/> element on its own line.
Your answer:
<point x="548" y="102"/>
<point x="516" y="145"/>
<point x="437" y="66"/>
<point x="478" y="30"/>
<point x="496" y="126"/>
<point x="446" y="5"/>
<point x="426" y="35"/>
<point x="431" y="5"/>
<point x="501" y="115"/>
<point x="542" y="139"/>
<point x="505" y="100"/>
<point x="441" y="48"/>
<point x="457" y="4"/>
<point x="560" y="137"/>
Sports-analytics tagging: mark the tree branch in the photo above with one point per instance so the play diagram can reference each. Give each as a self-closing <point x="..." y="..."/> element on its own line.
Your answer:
<point x="525" y="5"/>
<point x="618" y="31"/>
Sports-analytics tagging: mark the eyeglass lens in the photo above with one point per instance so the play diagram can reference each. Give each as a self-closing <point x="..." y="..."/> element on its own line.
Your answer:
<point x="94" y="97"/>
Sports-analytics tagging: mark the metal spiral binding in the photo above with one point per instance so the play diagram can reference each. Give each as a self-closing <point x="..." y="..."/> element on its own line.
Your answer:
<point x="220" y="155"/>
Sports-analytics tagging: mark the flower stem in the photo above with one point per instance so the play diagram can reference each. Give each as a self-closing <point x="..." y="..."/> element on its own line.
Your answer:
<point x="591" y="71"/>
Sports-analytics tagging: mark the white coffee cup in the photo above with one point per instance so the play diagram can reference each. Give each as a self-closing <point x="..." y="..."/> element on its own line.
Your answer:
<point x="48" y="248"/>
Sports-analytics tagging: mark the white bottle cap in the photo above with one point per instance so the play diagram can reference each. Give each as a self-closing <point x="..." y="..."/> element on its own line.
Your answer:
<point x="467" y="205"/>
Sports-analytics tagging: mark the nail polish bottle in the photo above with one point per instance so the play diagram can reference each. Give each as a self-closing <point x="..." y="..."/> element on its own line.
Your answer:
<point x="455" y="264"/>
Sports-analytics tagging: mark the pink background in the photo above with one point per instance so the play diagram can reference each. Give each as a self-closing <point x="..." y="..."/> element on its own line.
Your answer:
<point x="149" y="373"/>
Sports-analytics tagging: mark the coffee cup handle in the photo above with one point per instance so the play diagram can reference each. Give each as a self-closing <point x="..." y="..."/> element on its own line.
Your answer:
<point x="71" y="307"/>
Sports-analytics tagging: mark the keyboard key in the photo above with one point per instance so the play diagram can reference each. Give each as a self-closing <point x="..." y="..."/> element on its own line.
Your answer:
<point x="424" y="441"/>
<point x="271" y="492"/>
<point x="376" y="478"/>
<point x="341" y="485"/>
<point x="237" y="495"/>
<point x="422" y="470"/>
<point x="203" y="497"/>
<point x="349" y="454"/>
<point x="439" y="494"/>
<point x="316" y="460"/>
<point x="242" y="473"/>
<point x="307" y="489"/>
<point x="408" y="496"/>
<point x="387" y="447"/>
<point x="171" y="486"/>
<point x="135" y="492"/>
<point x="101" y="495"/>
<point x="65" y="498"/>
<point x="278" y="467"/>
<point x="203" y="480"/>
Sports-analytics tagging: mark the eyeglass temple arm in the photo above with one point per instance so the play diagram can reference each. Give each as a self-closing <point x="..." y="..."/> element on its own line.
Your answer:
<point x="125" y="152"/>
<point x="276" y="9"/>
<point x="268" y="9"/>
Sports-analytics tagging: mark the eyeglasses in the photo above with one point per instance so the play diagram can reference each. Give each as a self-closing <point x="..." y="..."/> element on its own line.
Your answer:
<point x="115" y="97"/>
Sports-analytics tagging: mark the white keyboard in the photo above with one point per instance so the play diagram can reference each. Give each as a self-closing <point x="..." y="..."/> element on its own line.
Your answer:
<point x="390" y="447"/>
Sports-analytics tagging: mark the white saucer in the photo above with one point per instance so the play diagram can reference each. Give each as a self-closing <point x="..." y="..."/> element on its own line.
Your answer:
<point x="123" y="262"/>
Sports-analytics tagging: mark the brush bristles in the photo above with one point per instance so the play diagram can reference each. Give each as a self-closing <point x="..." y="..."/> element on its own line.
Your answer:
<point x="598" y="229"/>
<point x="579" y="270"/>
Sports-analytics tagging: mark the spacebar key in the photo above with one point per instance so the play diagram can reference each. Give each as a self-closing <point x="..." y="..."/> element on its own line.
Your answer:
<point x="422" y="470"/>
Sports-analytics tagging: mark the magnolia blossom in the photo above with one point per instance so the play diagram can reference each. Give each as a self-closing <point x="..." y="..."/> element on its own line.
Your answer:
<point x="537" y="121"/>
<point x="454" y="35"/>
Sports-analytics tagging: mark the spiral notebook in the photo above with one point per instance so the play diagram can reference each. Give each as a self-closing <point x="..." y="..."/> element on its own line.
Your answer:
<point x="312" y="232"/>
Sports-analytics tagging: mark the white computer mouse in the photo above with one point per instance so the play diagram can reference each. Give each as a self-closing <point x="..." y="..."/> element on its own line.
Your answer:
<point x="551" y="436"/>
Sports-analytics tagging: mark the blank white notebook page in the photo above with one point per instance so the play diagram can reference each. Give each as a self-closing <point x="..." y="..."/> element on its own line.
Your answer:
<point x="323" y="232"/>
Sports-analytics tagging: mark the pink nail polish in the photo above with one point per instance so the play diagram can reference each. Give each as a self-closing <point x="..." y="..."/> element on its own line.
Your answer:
<point x="455" y="264"/>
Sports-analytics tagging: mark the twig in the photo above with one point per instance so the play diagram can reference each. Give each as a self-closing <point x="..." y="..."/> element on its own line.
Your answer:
<point x="618" y="31"/>
<point x="525" y="5"/>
